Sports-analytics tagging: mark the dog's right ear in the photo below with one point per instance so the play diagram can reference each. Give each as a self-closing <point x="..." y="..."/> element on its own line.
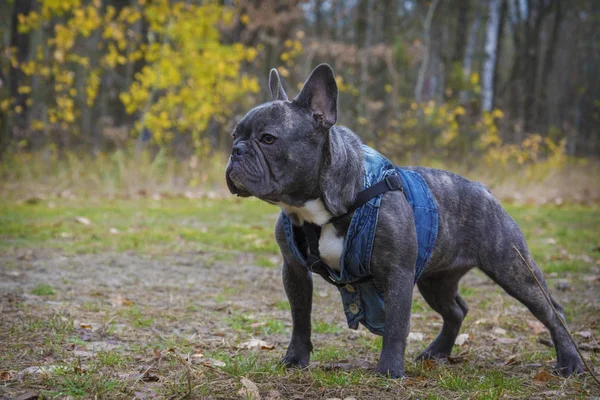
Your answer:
<point x="319" y="96"/>
<point x="275" y="86"/>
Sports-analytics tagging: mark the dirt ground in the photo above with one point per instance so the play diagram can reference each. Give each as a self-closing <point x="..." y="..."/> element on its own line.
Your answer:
<point x="122" y="325"/>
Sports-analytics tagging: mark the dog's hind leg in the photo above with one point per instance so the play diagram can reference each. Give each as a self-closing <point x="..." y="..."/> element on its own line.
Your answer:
<point x="508" y="270"/>
<point x="441" y="293"/>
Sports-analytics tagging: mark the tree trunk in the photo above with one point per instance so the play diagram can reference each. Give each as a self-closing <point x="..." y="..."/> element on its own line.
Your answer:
<point x="461" y="31"/>
<point x="19" y="41"/>
<point x="362" y="44"/>
<point x="319" y="18"/>
<point x="460" y="39"/>
<point x="470" y="52"/>
<point x="503" y="10"/>
<point x="426" y="53"/>
<point x="533" y="25"/>
<point x="489" y="63"/>
<point x="548" y="65"/>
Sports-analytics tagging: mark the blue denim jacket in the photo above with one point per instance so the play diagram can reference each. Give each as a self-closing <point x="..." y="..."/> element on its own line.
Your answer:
<point x="363" y="302"/>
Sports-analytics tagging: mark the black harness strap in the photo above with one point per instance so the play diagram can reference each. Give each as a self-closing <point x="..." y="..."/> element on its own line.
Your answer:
<point x="391" y="182"/>
<point x="312" y="232"/>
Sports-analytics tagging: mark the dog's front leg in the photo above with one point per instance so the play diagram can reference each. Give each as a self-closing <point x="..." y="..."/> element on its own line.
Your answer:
<point x="398" y="303"/>
<point x="297" y="281"/>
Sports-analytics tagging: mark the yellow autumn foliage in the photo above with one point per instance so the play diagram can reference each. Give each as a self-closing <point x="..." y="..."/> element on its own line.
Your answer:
<point x="189" y="76"/>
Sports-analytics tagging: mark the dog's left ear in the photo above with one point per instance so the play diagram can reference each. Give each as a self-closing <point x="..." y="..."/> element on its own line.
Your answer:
<point x="319" y="95"/>
<point x="275" y="86"/>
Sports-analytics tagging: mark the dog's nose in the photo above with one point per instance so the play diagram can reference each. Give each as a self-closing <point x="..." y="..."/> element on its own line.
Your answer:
<point x="239" y="149"/>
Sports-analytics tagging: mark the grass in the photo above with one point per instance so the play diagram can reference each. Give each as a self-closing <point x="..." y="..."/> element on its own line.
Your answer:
<point x="120" y="225"/>
<point x="137" y="318"/>
<point x="178" y="277"/>
<point x="557" y="235"/>
<point x="43" y="290"/>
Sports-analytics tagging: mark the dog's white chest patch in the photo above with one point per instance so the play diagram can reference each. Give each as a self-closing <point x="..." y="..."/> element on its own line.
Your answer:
<point x="331" y="246"/>
<point x="312" y="211"/>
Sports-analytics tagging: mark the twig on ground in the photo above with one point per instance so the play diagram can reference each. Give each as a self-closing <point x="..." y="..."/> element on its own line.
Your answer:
<point x="141" y="376"/>
<point x="562" y="322"/>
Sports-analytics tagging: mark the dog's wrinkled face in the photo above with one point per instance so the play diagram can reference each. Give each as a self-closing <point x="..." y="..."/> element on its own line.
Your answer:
<point x="278" y="146"/>
<point x="274" y="153"/>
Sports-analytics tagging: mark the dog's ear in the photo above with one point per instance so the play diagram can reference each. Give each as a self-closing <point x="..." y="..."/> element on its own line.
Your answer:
<point x="275" y="86"/>
<point x="319" y="95"/>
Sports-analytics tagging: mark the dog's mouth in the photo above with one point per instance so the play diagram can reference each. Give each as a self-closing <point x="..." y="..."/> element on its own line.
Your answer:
<point x="234" y="183"/>
<point x="242" y="185"/>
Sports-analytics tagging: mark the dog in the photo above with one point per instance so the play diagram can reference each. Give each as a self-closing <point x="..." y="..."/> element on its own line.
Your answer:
<point x="292" y="154"/>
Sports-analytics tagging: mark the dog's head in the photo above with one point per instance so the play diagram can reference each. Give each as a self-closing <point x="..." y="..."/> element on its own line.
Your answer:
<point x="279" y="146"/>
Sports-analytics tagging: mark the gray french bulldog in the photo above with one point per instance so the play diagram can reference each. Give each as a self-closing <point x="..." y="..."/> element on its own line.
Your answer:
<point x="291" y="153"/>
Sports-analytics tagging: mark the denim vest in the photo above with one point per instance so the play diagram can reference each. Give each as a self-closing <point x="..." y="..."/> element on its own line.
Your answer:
<point x="363" y="302"/>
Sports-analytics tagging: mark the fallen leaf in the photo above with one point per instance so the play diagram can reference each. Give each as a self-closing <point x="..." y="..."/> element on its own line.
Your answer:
<point x="84" y="325"/>
<point x="461" y="339"/>
<point x="273" y="395"/>
<point x="6" y="375"/>
<point x="542" y="376"/>
<point x="428" y="365"/>
<point x="507" y="340"/>
<point x="156" y="354"/>
<point x="83" y="221"/>
<point x="536" y="326"/>
<point x="416" y="336"/>
<point x="457" y="359"/>
<point x="499" y="331"/>
<point x="256" y="344"/>
<point x="24" y="257"/>
<point x="148" y="377"/>
<point x="120" y="300"/>
<point x="584" y="334"/>
<point x="511" y="360"/>
<point x="209" y="362"/>
<point x="249" y="390"/>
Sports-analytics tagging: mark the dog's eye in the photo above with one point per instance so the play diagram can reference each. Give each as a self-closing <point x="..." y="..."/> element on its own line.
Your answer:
<point x="267" y="139"/>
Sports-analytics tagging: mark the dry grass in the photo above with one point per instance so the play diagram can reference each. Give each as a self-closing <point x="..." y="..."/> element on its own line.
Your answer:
<point x="124" y="174"/>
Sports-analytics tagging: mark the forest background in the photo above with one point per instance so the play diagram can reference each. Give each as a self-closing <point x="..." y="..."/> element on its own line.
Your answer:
<point x="141" y="95"/>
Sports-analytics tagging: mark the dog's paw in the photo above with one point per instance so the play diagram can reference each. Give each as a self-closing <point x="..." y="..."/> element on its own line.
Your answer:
<point x="571" y="365"/>
<point x="431" y="355"/>
<point x="297" y="355"/>
<point x="294" y="361"/>
<point x="390" y="370"/>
